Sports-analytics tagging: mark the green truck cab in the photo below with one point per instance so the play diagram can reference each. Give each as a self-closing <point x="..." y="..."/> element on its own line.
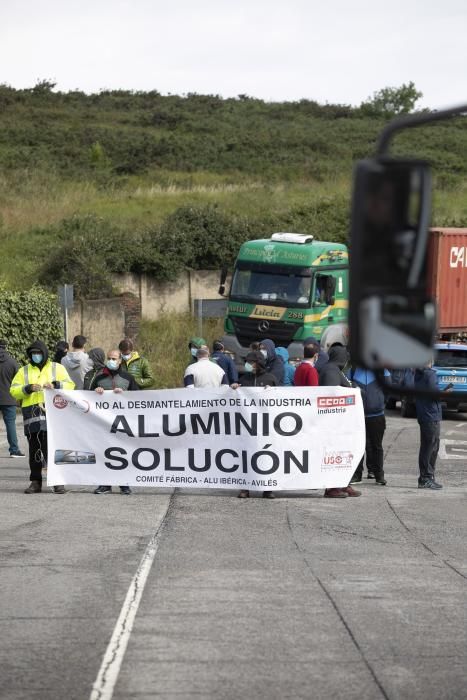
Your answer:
<point x="287" y="288"/>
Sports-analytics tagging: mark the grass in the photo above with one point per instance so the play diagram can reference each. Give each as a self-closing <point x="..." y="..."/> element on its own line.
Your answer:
<point x="165" y="344"/>
<point x="30" y="203"/>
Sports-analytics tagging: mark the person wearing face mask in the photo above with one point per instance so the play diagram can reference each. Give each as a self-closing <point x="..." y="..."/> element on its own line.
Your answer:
<point x="134" y="364"/>
<point x="256" y="375"/>
<point x="114" y="378"/>
<point x="274" y="362"/>
<point x="28" y="387"/>
<point x="194" y="345"/>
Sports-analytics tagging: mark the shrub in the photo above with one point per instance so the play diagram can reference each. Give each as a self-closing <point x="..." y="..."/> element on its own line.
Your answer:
<point x="25" y="316"/>
<point x="87" y="251"/>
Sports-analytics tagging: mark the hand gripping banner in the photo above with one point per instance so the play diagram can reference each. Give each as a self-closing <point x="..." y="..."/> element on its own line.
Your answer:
<point x="278" y="438"/>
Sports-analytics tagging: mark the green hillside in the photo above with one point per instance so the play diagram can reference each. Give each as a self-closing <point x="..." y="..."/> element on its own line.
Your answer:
<point x="139" y="181"/>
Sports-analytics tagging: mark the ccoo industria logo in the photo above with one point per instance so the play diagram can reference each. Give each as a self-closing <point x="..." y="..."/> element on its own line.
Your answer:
<point x="335" y="404"/>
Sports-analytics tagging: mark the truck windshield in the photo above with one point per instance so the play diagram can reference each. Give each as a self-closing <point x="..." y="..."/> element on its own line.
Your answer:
<point x="277" y="284"/>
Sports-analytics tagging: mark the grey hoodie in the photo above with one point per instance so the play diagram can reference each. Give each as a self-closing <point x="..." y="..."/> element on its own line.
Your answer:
<point x="77" y="363"/>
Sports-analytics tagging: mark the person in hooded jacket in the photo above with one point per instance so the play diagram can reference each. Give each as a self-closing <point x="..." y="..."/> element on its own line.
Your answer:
<point x="373" y="400"/>
<point x="256" y="375"/>
<point x="28" y="387"/>
<point x="289" y="370"/>
<point x="8" y="369"/>
<point x="61" y="350"/>
<point x="77" y="362"/>
<point x="97" y="357"/>
<point x="332" y="374"/>
<point x="274" y="362"/>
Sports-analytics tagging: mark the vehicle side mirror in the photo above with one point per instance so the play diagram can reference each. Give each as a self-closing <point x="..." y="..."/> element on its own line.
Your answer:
<point x="392" y="318"/>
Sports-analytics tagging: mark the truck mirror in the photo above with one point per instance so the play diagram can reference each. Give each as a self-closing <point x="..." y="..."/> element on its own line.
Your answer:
<point x="392" y="318"/>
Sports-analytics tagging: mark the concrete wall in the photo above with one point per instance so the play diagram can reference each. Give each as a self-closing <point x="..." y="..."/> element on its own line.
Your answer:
<point x="102" y="321"/>
<point x="158" y="298"/>
<point x="106" y="321"/>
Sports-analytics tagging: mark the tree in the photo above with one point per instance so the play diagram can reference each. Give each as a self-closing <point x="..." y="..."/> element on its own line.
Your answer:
<point x="391" y="101"/>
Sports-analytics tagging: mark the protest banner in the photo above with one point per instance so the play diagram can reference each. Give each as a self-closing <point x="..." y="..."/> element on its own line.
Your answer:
<point x="279" y="438"/>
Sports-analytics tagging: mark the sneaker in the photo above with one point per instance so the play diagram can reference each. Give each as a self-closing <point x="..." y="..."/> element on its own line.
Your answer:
<point x="379" y="478"/>
<point x="125" y="490"/>
<point x="268" y="494"/>
<point x="356" y="479"/>
<point x="59" y="489"/>
<point x="370" y="474"/>
<point x="17" y="454"/>
<point x="351" y="492"/>
<point x="335" y="493"/>
<point x="34" y="487"/>
<point x="429" y="484"/>
<point x="103" y="489"/>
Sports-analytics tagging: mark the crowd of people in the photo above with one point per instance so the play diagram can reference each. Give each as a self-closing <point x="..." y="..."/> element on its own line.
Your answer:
<point x="124" y="369"/>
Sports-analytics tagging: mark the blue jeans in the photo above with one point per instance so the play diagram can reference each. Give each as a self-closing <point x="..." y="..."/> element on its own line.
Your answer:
<point x="9" y="418"/>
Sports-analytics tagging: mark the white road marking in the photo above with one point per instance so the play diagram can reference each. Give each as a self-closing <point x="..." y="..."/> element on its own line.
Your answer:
<point x="456" y="446"/>
<point x="104" y="684"/>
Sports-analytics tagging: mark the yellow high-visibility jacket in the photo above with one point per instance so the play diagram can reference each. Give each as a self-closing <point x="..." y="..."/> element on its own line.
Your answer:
<point x="32" y="404"/>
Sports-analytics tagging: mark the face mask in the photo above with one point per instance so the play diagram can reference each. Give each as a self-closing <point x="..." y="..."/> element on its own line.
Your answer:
<point x="194" y="351"/>
<point x="126" y="357"/>
<point x="112" y="364"/>
<point x="264" y="353"/>
<point x="37" y="358"/>
<point x="248" y="367"/>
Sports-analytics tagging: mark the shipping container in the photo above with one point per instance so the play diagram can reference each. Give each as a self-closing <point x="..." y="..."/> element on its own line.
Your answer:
<point x="447" y="270"/>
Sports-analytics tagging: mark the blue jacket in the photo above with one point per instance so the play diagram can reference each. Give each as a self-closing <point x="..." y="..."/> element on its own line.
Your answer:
<point x="227" y="364"/>
<point x="372" y="394"/>
<point x="289" y="370"/>
<point x="428" y="410"/>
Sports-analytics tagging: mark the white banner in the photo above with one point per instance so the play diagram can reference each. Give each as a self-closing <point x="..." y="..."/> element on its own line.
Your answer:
<point x="279" y="438"/>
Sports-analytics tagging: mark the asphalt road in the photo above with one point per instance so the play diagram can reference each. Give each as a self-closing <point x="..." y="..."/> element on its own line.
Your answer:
<point x="300" y="597"/>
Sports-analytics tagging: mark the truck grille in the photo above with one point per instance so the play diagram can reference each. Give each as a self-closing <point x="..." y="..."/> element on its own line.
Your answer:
<point x="249" y="329"/>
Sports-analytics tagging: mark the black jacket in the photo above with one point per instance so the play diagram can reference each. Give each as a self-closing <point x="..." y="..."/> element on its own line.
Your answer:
<point x="428" y="410"/>
<point x="261" y="379"/>
<point x="274" y="363"/>
<point x="8" y="369"/>
<point x="331" y="374"/>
